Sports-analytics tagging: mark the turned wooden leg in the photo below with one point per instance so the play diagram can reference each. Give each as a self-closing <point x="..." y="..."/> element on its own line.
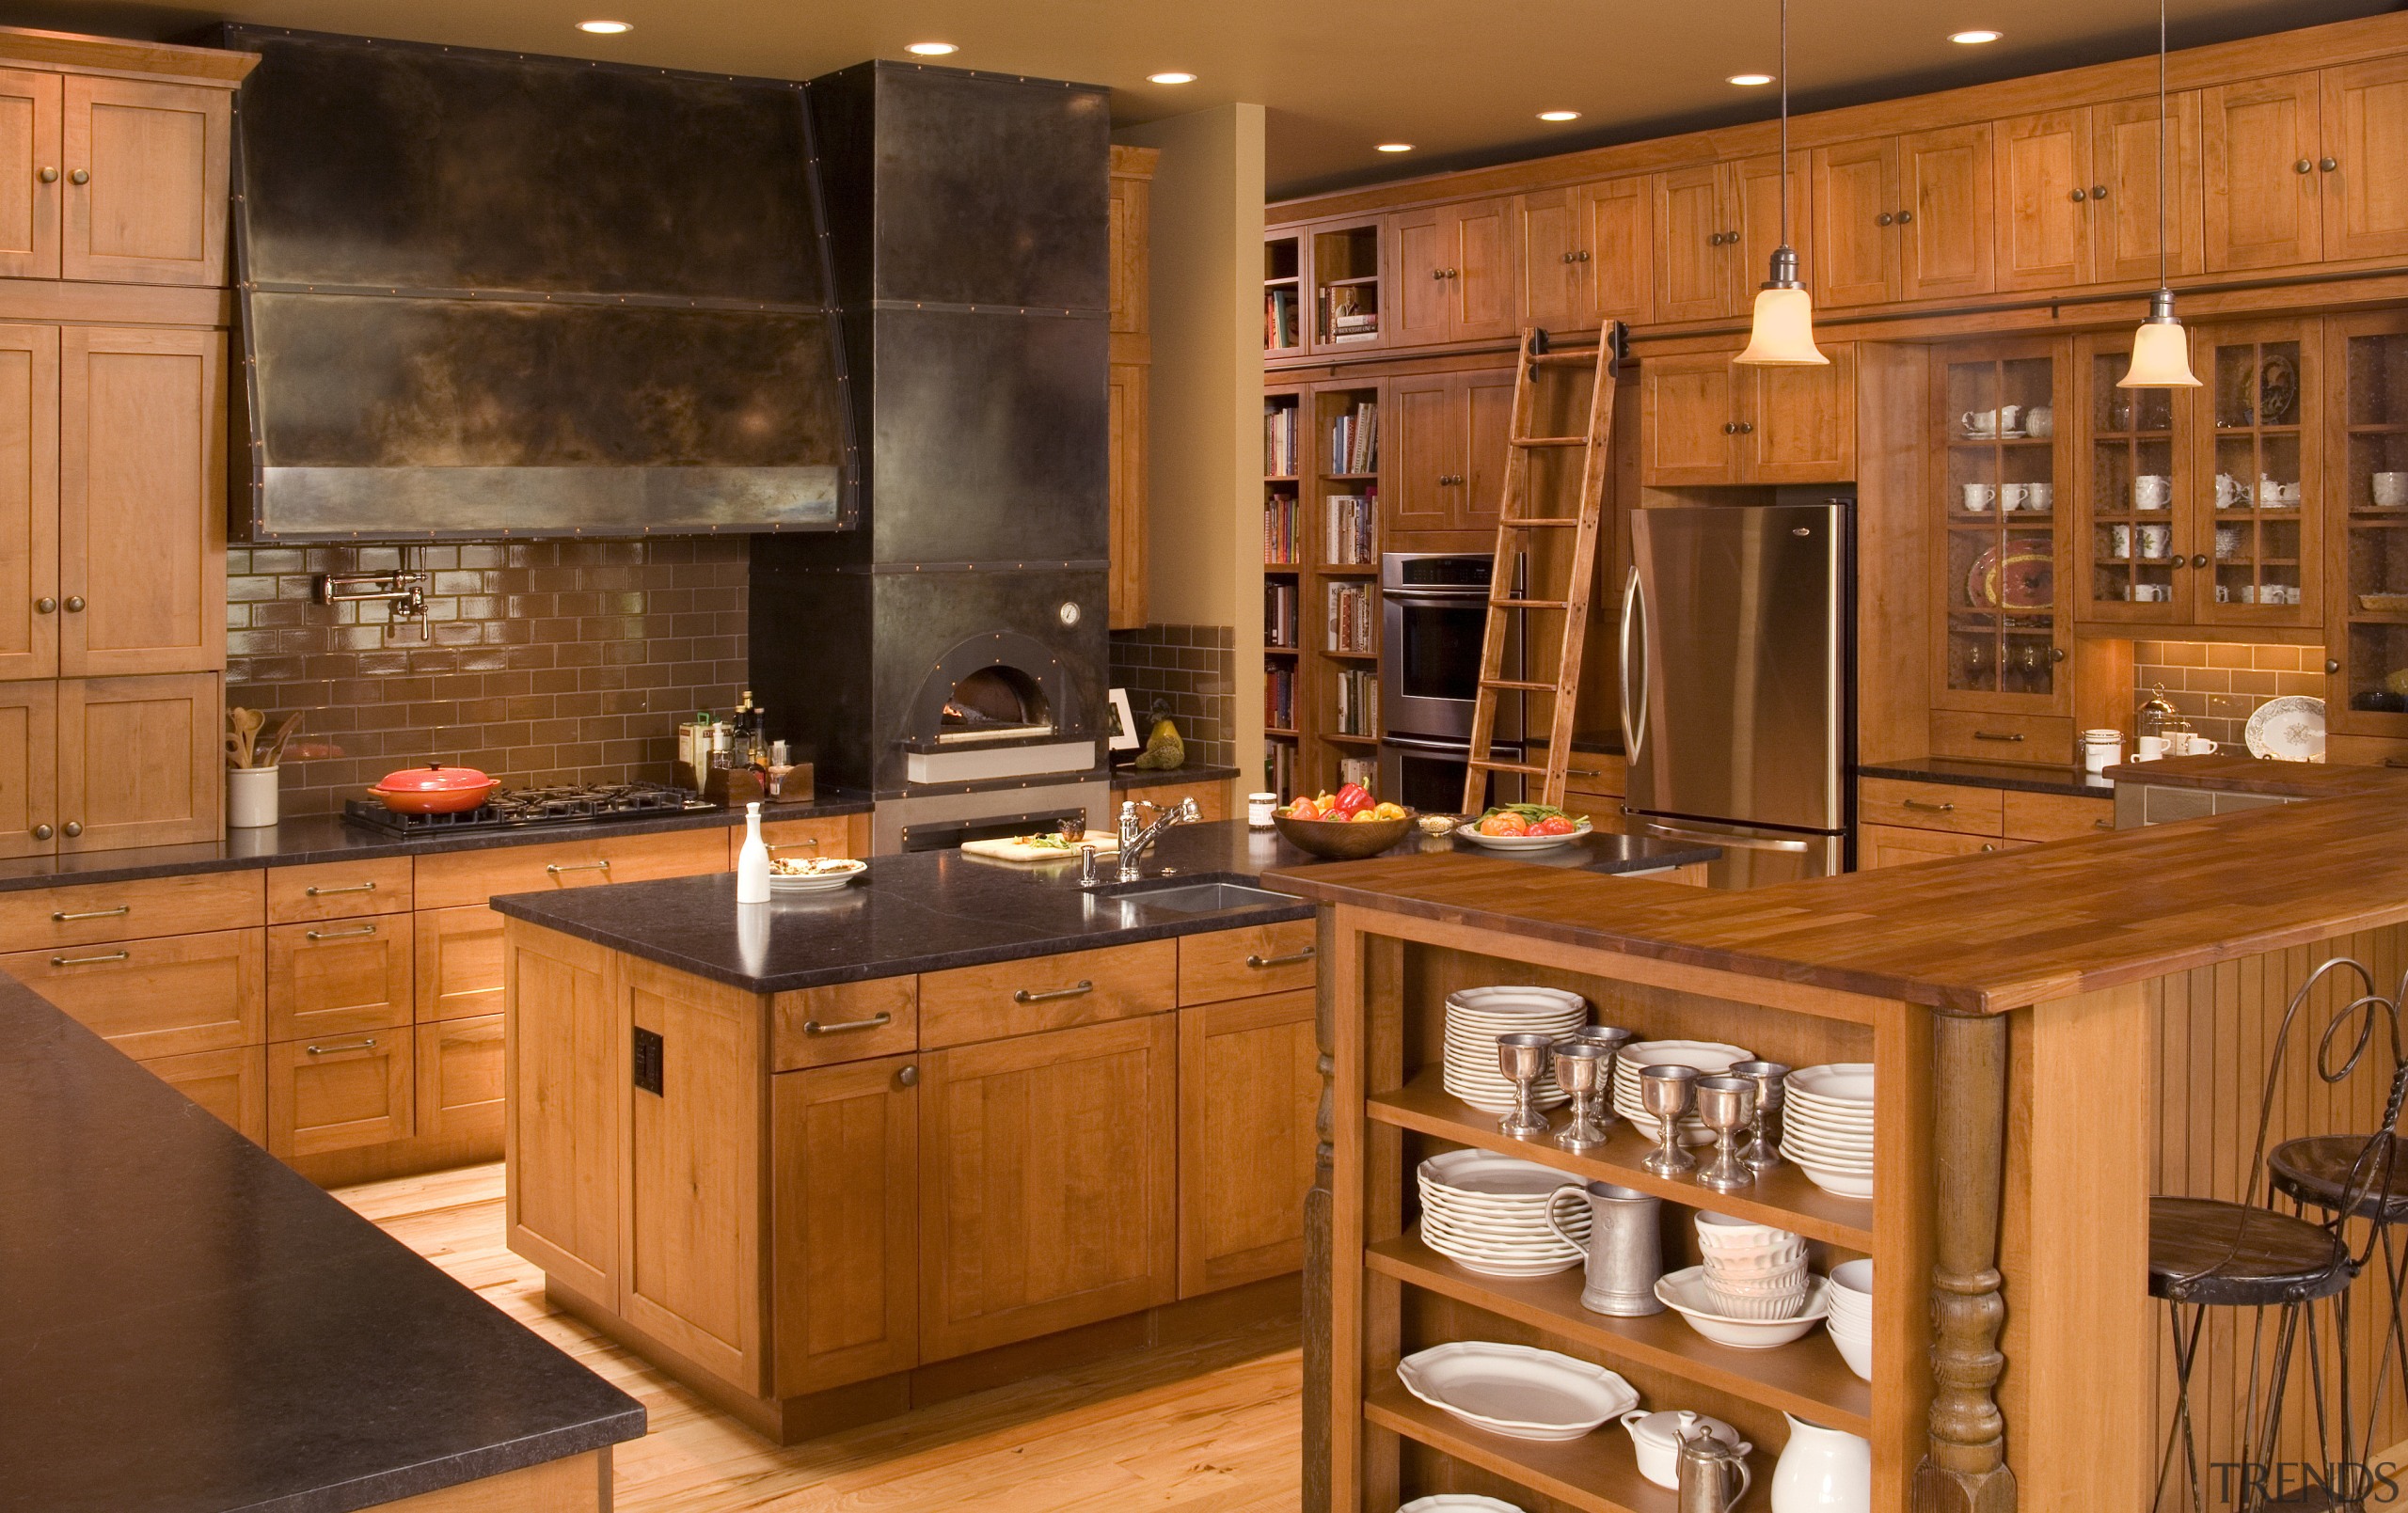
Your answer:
<point x="1964" y="1465"/>
<point x="1317" y="1224"/>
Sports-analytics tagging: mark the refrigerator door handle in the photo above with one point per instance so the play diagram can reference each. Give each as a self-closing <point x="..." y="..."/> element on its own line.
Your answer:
<point x="1750" y="842"/>
<point x="1633" y="608"/>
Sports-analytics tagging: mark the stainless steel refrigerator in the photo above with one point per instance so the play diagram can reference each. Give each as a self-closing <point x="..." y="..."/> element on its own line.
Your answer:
<point x="1739" y="683"/>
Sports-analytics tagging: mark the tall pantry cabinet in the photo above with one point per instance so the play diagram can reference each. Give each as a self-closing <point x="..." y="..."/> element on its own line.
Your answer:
<point x="113" y="371"/>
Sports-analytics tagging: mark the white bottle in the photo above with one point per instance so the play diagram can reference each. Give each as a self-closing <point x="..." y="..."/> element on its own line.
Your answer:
<point x="753" y="862"/>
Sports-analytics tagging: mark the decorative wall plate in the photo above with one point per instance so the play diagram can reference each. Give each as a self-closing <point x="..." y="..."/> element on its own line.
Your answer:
<point x="2025" y="579"/>
<point x="2290" y="728"/>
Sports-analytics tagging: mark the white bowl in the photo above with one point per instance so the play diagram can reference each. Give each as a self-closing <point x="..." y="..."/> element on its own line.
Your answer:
<point x="1834" y="1082"/>
<point x="1838" y="1184"/>
<point x="1754" y="1308"/>
<point x="1857" y="1350"/>
<point x="1684" y="1292"/>
<point x="1458" y="1503"/>
<point x="1516" y="1389"/>
<point x="1852" y="1284"/>
<point x="1765" y="1274"/>
<point x="1723" y="1232"/>
<point x="1712" y="1057"/>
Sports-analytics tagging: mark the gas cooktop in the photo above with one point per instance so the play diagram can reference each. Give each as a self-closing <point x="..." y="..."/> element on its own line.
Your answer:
<point x="512" y="808"/>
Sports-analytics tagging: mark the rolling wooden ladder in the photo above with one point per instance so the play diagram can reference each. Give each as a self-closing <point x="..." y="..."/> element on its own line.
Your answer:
<point x="1520" y="517"/>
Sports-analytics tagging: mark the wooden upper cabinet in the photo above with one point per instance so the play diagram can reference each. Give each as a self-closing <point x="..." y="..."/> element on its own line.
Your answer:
<point x="1488" y="421"/>
<point x="2122" y="208"/>
<point x="142" y="501"/>
<point x="1454" y="276"/>
<point x="1555" y="263"/>
<point x="28" y="768"/>
<point x="1419" y="240"/>
<point x="1129" y="207"/>
<point x="1855" y="206"/>
<point x="1588" y="254"/>
<point x="1689" y="406"/>
<point x="145" y="185"/>
<point x="1945" y="213"/>
<point x="2260" y="142"/>
<point x="1755" y="192"/>
<point x="28" y="502"/>
<point x="140" y="761"/>
<point x="1800" y="422"/>
<point x="29" y="144"/>
<point x="1444" y="438"/>
<point x="1693" y="224"/>
<point x="2362" y="186"/>
<point x="2042" y="166"/>
<point x="1130" y="215"/>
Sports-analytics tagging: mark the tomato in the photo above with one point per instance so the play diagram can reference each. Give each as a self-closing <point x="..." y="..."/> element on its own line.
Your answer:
<point x="1354" y="798"/>
<point x="1505" y="824"/>
<point x="1554" y="825"/>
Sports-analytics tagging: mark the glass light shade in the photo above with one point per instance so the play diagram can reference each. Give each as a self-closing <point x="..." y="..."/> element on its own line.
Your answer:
<point x="2160" y="358"/>
<point x="1783" y="334"/>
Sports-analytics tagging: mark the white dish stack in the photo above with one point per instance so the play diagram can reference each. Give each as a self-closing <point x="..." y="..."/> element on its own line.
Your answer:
<point x="1827" y="1126"/>
<point x="1851" y="1320"/>
<point x="1710" y="1057"/>
<point x="1488" y="1214"/>
<point x="1751" y="1271"/>
<point x="1476" y="1017"/>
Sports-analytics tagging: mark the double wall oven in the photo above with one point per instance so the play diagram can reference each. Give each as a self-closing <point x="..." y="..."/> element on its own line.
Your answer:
<point x="1434" y="609"/>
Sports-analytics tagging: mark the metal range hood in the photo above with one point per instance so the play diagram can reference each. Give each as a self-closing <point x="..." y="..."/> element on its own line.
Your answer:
<point x="487" y="294"/>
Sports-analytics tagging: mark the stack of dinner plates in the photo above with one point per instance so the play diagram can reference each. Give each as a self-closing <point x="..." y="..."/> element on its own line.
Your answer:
<point x="1488" y="1214"/>
<point x="1711" y="1059"/>
<point x="1477" y="1016"/>
<point x="1827" y="1126"/>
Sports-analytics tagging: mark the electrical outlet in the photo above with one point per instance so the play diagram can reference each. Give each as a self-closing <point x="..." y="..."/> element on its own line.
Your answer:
<point x="649" y="1053"/>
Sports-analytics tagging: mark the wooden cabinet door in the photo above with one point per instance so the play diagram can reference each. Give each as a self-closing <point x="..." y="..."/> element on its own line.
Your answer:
<point x="2363" y="191"/>
<point x="1801" y="421"/>
<point x="1424" y="466"/>
<point x="1890" y="845"/>
<point x="458" y="972"/>
<point x="1480" y="278"/>
<point x="844" y="1216"/>
<point x="141" y="761"/>
<point x="2123" y="187"/>
<point x="1687" y="420"/>
<point x="1420" y="281"/>
<point x="29" y="146"/>
<point x="692" y="1277"/>
<point x="1126" y="488"/>
<point x="141" y="502"/>
<point x="2042" y="166"/>
<point x="1755" y="191"/>
<point x="567" y="1068"/>
<point x="830" y="836"/>
<point x="28" y="770"/>
<point x="1488" y="417"/>
<point x="1615" y="237"/>
<point x="2260" y="142"/>
<point x="338" y="977"/>
<point x="232" y="1084"/>
<point x="29" y="499"/>
<point x="1247" y="1091"/>
<point x="146" y="181"/>
<point x="1555" y="266"/>
<point x="1047" y="1183"/>
<point x="172" y="996"/>
<point x="1855" y="256"/>
<point x="340" y="1092"/>
<point x="1945" y="213"/>
<point x="1693" y="280"/>
<point x="460" y="1086"/>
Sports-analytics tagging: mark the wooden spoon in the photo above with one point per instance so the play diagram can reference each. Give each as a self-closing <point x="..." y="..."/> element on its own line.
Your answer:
<point x="247" y="723"/>
<point x="283" y="734"/>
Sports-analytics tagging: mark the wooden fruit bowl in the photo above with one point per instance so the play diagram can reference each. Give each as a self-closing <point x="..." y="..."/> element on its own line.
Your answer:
<point x="1343" y="839"/>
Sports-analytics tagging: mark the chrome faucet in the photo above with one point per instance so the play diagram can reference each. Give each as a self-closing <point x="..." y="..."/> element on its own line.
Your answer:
<point x="1134" y="841"/>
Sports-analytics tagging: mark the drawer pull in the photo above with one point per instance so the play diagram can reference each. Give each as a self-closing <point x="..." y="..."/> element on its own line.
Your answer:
<point x="811" y="841"/>
<point x="2102" y="824"/>
<point x="117" y="913"/>
<point x="329" y="893"/>
<point x="556" y="869"/>
<point x="90" y="961"/>
<point x="339" y="934"/>
<point x="1998" y="736"/>
<point x="1291" y="959"/>
<point x="1024" y="996"/>
<point x="1928" y="808"/>
<point x="875" y="1022"/>
<point x="368" y="1044"/>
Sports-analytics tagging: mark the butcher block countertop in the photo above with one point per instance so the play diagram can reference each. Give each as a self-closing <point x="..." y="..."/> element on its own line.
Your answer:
<point x="1975" y="934"/>
<point x="2279" y="779"/>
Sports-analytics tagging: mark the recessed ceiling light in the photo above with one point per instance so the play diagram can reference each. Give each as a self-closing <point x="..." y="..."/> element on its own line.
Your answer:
<point x="1750" y="81"/>
<point x="1559" y="115"/>
<point x="1974" y="37"/>
<point x="1172" y="77"/>
<point x="1395" y="147"/>
<point x="931" y="49"/>
<point x="606" y="28"/>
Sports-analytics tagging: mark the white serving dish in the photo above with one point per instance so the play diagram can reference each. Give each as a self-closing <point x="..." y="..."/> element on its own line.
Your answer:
<point x="1518" y="843"/>
<point x="1838" y="1158"/>
<point x="1656" y="1441"/>
<point x="1838" y="1184"/>
<point x="1684" y="1292"/>
<point x="830" y="874"/>
<point x="1458" y="1503"/>
<point x="2290" y="728"/>
<point x="1482" y="996"/>
<point x="1835" y="1083"/>
<point x="1516" y="1389"/>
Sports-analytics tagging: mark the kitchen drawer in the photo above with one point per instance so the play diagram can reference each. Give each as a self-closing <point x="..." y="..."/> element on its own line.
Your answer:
<point x="1227" y="964"/>
<point x="2057" y="816"/>
<point x="850" y="1022"/>
<point x="2044" y="738"/>
<point x="1019" y="998"/>
<point x="1930" y="805"/>
<point x="798" y="839"/>
<point x="460" y="878"/>
<point x="232" y="1084"/>
<point x="167" y="996"/>
<point x="337" y="891"/>
<point x="337" y="1092"/>
<point x="188" y="904"/>
<point x="459" y="962"/>
<point x="460" y="1081"/>
<point x="1598" y="774"/>
<point x="337" y="976"/>
<point x="1890" y="845"/>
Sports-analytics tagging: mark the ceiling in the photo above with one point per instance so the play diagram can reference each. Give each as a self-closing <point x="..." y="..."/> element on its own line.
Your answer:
<point x="1463" y="83"/>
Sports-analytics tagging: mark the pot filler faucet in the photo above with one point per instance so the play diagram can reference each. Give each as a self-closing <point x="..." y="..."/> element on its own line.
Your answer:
<point x="1134" y="841"/>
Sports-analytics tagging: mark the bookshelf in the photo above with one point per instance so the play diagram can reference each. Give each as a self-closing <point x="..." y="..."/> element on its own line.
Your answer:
<point x="1286" y="445"/>
<point x="1283" y="295"/>
<point x="1346" y="287"/>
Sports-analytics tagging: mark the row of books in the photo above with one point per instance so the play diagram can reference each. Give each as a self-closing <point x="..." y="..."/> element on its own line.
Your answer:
<point x="1279" y="698"/>
<point x="1358" y="701"/>
<point x="1344" y="319"/>
<point x="1280" y="528"/>
<point x="1362" y="770"/>
<point x="1354" y="439"/>
<point x="1352" y="521"/>
<point x="1279" y="768"/>
<point x="1280" y="606"/>
<point x="1280" y="312"/>
<point x="1353" y="618"/>
<point x="1279" y="440"/>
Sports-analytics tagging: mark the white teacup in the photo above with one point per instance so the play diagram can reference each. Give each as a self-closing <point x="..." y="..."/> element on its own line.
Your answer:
<point x="1978" y="498"/>
<point x="2149" y="592"/>
<point x="2014" y="497"/>
<point x="2151" y="748"/>
<point x="2189" y="743"/>
<point x="2390" y="490"/>
<point x="1979" y="422"/>
<point x="2270" y="494"/>
<point x="2152" y="491"/>
<point x="2156" y="541"/>
<point x="2119" y="543"/>
<point x="2287" y="495"/>
<point x="2230" y="491"/>
<point x="2039" y="495"/>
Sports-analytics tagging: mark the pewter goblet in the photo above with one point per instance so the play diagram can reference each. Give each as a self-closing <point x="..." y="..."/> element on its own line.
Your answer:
<point x="1665" y="1092"/>
<point x="1727" y="1105"/>
<point x="1761" y="1150"/>
<point x="1521" y="1059"/>
<point x="1581" y="1068"/>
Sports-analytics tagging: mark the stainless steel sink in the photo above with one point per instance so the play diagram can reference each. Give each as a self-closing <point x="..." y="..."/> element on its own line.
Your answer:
<point x="1206" y="898"/>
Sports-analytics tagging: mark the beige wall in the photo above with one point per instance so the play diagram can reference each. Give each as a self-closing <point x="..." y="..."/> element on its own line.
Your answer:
<point x="1204" y="475"/>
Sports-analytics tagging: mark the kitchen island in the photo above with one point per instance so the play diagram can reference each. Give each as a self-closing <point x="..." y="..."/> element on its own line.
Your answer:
<point x="837" y="1156"/>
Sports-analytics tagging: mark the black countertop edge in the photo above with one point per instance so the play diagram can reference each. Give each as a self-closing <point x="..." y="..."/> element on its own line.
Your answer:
<point x="320" y="838"/>
<point x="1132" y="777"/>
<point x="2014" y="777"/>
<point x="931" y="911"/>
<point x="196" y="1327"/>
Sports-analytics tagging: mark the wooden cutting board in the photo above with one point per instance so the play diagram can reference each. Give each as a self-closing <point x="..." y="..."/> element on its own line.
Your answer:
<point x="1010" y="849"/>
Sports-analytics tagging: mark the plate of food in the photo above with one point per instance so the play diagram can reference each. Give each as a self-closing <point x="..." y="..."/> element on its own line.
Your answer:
<point x="1524" y="828"/>
<point x="813" y="875"/>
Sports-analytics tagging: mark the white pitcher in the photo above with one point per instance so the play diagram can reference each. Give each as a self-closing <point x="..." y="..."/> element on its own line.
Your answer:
<point x="1822" y="1471"/>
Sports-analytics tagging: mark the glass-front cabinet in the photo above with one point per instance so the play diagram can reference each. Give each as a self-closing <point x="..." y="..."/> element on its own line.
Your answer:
<point x="1999" y="484"/>
<point x="2255" y="501"/>
<point x="2131" y="552"/>
<point x="2367" y="477"/>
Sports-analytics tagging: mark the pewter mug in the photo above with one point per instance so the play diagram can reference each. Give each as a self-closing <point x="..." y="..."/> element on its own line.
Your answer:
<point x="1626" y="1247"/>
<point x="1709" y="1466"/>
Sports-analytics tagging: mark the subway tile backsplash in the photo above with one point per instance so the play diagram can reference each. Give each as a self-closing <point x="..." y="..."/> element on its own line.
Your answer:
<point x="1189" y="673"/>
<point x="543" y="661"/>
<point x="2218" y="685"/>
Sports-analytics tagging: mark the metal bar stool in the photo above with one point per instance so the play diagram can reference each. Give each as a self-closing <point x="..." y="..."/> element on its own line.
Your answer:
<point x="2206" y="1253"/>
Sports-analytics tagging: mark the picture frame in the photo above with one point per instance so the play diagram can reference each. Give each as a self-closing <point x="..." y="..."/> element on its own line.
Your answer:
<point x="1124" y="724"/>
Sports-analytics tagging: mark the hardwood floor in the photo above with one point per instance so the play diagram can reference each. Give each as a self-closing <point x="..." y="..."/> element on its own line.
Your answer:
<point x="1210" y="1429"/>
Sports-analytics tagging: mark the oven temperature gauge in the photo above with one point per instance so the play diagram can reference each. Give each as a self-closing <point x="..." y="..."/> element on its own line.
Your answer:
<point x="1068" y="613"/>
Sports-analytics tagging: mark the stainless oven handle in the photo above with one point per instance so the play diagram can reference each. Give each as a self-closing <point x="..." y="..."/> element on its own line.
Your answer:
<point x="1746" y="842"/>
<point x="1633" y="608"/>
<point x="1429" y="745"/>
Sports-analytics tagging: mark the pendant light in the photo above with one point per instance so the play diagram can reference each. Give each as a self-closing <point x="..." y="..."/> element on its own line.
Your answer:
<point x="2161" y="349"/>
<point x="1784" y="333"/>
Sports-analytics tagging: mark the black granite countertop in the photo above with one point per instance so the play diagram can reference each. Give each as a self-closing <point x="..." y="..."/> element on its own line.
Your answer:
<point x="933" y="910"/>
<point x="192" y="1327"/>
<point x="2016" y="776"/>
<point x="328" y="838"/>
<point x="1132" y="777"/>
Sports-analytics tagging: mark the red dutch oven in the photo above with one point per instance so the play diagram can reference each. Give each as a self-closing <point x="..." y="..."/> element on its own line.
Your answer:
<point x="433" y="789"/>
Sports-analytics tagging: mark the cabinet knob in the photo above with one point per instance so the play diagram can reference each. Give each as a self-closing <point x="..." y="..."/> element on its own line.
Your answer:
<point x="2199" y="560"/>
<point x="2331" y="666"/>
<point x="1564" y="257"/>
<point x="2329" y="164"/>
<point x="81" y="175"/>
<point x="44" y="605"/>
<point x="1580" y="257"/>
<point x="1730" y="428"/>
<point x="2080" y="195"/>
<point x="2303" y="166"/>
<point x="908" y="1077"/>
<point x="75" y="828"/>
<point x="1987" y="846"/>
<point x="1437" y="272"/>
<point x="75" y="604"/>
<point x="48" y="176"/>
<point x="1747" y="428"/>
<point x="2056" y="653"/>
<point x="2098" y="191"/>
<point x="1454" y="273"/>
<point x="1905" y="217"/>
<point x="41" y="832"/>
<point x="1885" y="218"/>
